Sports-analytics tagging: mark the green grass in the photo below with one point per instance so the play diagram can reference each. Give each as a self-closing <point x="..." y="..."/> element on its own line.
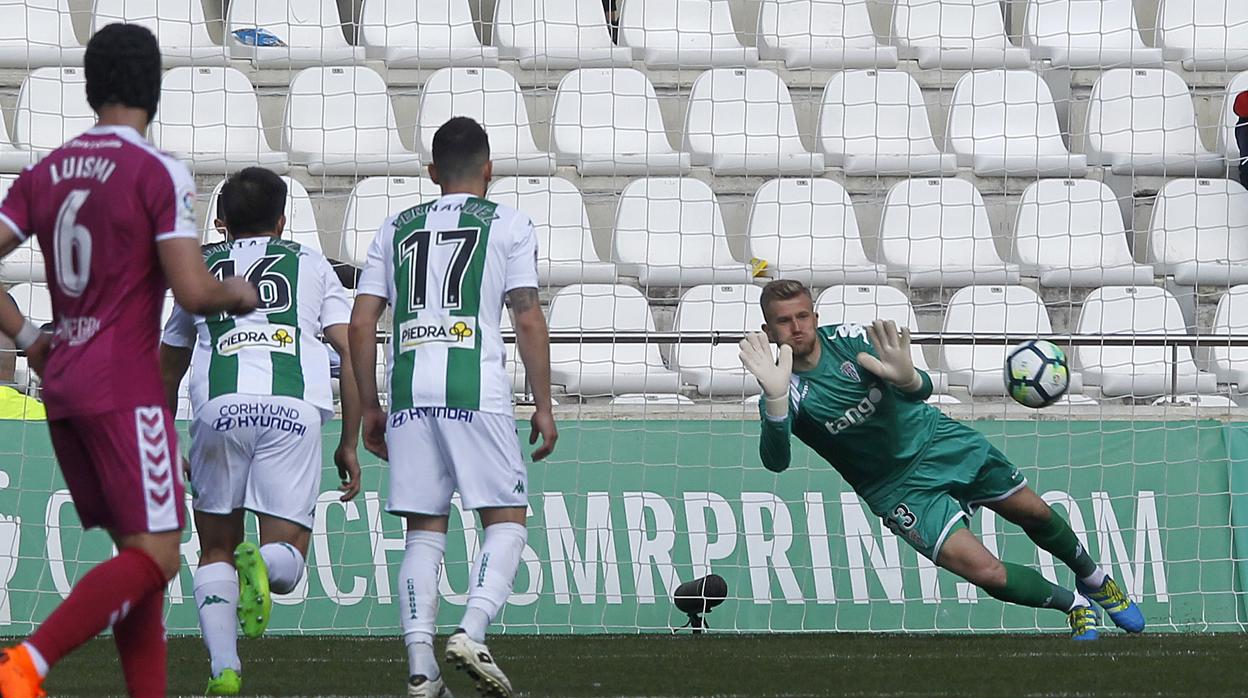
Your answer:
<point x="723" y="665"/>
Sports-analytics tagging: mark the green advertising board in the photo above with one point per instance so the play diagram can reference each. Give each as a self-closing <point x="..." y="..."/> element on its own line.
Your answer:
<point x="625" y="510"/>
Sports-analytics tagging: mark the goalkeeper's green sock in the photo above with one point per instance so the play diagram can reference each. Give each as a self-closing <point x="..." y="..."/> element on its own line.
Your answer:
<point x="1027" y="587"/>
<point x="1057" y="538"/>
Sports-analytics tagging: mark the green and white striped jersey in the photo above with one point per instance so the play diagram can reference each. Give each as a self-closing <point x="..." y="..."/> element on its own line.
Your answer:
<point x="275" y="350"/>
<point x="445" y="266"/>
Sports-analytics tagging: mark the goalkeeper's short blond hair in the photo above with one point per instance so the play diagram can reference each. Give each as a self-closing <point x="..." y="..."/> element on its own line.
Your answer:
<point x="783" y="290"/>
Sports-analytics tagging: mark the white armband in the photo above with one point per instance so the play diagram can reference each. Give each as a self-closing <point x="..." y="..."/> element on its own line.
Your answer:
<point x="28" y="335"/>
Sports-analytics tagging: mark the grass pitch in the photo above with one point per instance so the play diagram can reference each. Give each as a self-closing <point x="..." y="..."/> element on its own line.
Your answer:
<point x="722" y="665"/>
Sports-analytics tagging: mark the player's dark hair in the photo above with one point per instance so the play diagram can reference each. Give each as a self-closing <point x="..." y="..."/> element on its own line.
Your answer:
<point x="460" y="149"/>
<point x="251" y="202"/>
<point x="122" y="66"/>
<point x="782" y="290"/>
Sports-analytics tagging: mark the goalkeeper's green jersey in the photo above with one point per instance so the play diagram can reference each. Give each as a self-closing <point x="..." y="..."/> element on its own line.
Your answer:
<point x="871" y="432"/>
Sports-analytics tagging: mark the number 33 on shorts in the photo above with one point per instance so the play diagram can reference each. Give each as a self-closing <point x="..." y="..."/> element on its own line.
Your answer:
<point x="902" y="517"/>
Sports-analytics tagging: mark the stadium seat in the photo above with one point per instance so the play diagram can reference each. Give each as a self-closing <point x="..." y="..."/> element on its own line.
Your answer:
<point x="300" y="218"/>
<point x="51" y="109"/>
<point x="1004" y="123"/>
<point x="683" y="34"/>
<point x="741" y="122"/>
<point x="991" y="310"/>
<point x="34" y="301"/>
<point x="1070" y="233"/>
<point x="606" y="121"/>
<point x="1088" y="34"/>
<point x="1230" y="364"/>
<point x="1139" y="370"/>
<point x="12" y="159"/>
<point x="25" y="263"/>
<point x="955" y="34"/>
<point x="556" y="35"/>
<point x="311" y="31"/>
<point x="864" y="304"/>
<point x="372" y="201"/>
<point x="874" y="123"/>
<point x="1199" y="232"/>
<point x="492" y="97"/>
<point x="594" y="369"/>
<point x="424" y="34"/>
<point x="565" y="243"/>
<point x="1228" y="146"/>
<point x="935" y="232"/>
<point x="645" y="400"/>
<point x="1141" y="121"/>
<point x="38" y="33"/>
<point x="821" y="34"/>
<point x="339" y="121"/>
<point x="210" y="116"/>
<point x="1204" y="34"/>
<point x="715" y="368"/>
<point x="806" y="230"/>
<point x="669" y="232"/>
<point x="179" y="26"/>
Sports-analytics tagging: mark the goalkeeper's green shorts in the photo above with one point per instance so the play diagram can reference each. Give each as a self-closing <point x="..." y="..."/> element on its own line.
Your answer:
<point x="959" y="472"/>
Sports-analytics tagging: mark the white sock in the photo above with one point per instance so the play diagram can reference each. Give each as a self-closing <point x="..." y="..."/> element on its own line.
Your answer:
<point x="493" y="572"/>
<point x="41" y="664"/>
<point x="1096" y="579"/>
<point x="418" y="599"/>
<point x="285" y="565"/>
<point x="216" y="597"/>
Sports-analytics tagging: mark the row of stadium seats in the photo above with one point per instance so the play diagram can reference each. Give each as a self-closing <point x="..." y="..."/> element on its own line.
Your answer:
<point x="953" y="34"/>
<point x="596" y="370"/>
<point x="340" y="120"/>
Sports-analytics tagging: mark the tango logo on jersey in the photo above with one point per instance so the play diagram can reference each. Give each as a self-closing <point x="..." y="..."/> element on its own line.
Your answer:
<point x="857" y="414"/>
<point x="452" y="330"/>
<point x="278" y="338"/>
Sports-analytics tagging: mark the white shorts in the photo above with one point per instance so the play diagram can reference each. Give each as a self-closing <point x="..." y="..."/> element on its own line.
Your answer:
<point x="257" y="453"/>
<point x="437" y="451"/>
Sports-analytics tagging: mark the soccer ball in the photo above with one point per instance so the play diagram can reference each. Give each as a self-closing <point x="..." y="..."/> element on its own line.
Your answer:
<point x="1036" y="374"/>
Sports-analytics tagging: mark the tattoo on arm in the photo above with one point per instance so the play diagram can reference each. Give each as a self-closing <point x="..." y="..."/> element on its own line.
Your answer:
<point x="522" y="300"/>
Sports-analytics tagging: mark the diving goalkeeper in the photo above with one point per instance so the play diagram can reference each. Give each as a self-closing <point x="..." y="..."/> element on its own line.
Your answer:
<point x="853" y="395"/>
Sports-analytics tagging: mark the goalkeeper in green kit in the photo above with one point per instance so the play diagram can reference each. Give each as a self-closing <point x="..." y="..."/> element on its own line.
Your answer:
<point x="853" y="395"/>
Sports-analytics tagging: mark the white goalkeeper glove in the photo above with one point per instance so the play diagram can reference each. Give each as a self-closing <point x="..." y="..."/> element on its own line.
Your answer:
<point x="894" y="365"/>
<point x="772" y="374"/>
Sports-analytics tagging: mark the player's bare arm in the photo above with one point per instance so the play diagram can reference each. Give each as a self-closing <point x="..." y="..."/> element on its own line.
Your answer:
<point x="362" y="341"/>
<point x="345" y="457"/>
<point x="533" y="344"/>
<point x="13" y="324"/>
<point x="196" y="290"/>
<point x="174" y="363"/>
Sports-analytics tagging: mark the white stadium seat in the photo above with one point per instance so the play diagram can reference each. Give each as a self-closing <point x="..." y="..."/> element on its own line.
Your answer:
<point x="991" y="310"/>
<point x="34" y="301"/>
<point x="741" y="121"/>
<point x="565" y="243"/>
<point x="1230" y="364"/>
<point x="683" y="34"/>
<point x="1199" y="232"/>
<point x="594" y="369"/>
<point x="422" y="34"/>
<point x="1137" y="371"/>
<point x="51" y="108"/>
<point x="310" y="29"/>
<point x="821" y="34"/>
<point x="935" y="232"/>
<point x="340" y="121"/>
<point x="864" y="304"/>
<point x="556" y="35"/>
<point x="12" y="159"/>
<point x="1004" y="123"/>
<point x="179" y="26"/>
<point x="210" y="116"/>
<point x="669" y="232"/>
<point x="1070" y="233"/>
<point x="38" y="33"/>
<point x="806" y="230"/>
<point x="1089" y="34"/>
<point x="874" y="123"/>
<point x="606" y="121"/>
<point x="300" y="218"/>
<point x="493" y="98"/>
<point x="372" y="201"/>
<point x="715" y="368"/>
<point x="955" y="34"/>
<point x="1227" y="144"/>
<point x="25" y="263"/>
<point x="1204" y="34"/>
<point x="1141" y="121"/>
